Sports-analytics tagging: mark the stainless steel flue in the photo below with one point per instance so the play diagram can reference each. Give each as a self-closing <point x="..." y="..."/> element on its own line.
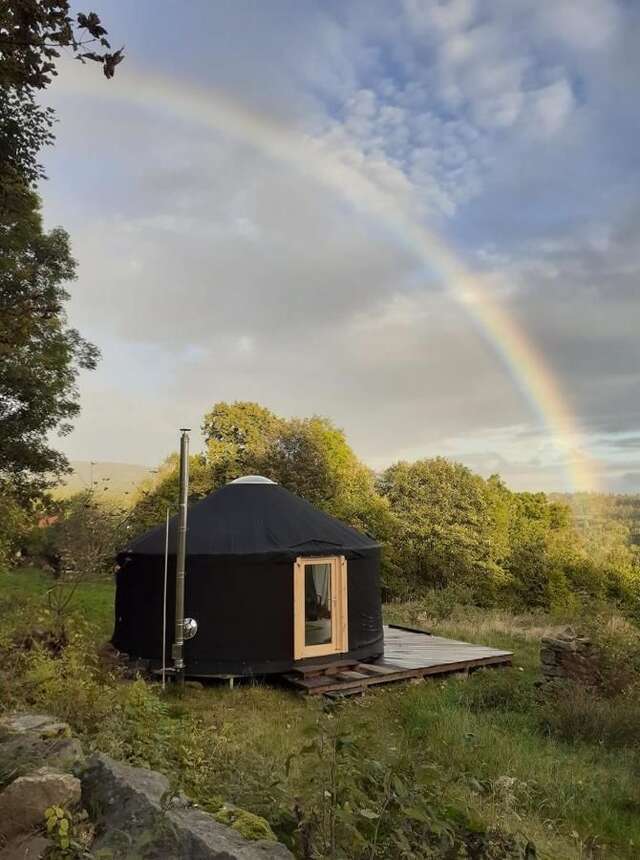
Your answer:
<point x="178" y="645"/>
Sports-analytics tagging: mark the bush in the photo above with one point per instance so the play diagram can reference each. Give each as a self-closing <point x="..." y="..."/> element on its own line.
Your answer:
<point x="580" y="714"/>
<point x="494" y="689"/>
<point x="618" y="644"/>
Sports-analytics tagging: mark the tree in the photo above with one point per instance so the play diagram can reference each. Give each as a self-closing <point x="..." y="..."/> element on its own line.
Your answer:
<point x="311" y="457"/>
<point x="32" y="35"/>
<point x="83" y="542"/>
<point x="156" y="494"/>
<point x="444" y="525"/>
<point x="40" y="355"/>
<point x="238" y="436"/>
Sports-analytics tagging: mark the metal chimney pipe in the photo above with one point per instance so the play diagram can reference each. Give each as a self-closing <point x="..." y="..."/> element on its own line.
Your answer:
<point x="178" y="646"/>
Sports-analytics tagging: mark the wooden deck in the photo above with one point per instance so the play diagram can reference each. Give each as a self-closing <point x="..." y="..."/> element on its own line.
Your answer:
<point x="408" y="653"/>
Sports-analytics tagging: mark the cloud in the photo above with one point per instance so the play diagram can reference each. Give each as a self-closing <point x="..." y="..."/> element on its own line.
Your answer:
<point x="210" y="271"/>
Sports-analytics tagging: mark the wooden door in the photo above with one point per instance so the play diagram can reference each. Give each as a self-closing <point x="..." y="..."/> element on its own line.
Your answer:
<point x="320" y="606"/>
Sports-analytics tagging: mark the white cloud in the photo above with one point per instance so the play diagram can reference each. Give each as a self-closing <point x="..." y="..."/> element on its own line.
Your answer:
<point x="210" y="271"/>
<point x="550" y="106"/>
<point x="583" y="24"/>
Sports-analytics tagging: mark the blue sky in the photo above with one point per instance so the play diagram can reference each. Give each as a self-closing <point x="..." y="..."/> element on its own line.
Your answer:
<point x="208" y="270"/>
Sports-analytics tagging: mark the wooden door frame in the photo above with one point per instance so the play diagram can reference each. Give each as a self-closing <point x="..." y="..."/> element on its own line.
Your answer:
<point x="339" y="643"/>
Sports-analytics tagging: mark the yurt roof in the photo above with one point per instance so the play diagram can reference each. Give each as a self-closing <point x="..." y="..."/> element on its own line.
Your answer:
<point x="253" y="516"/>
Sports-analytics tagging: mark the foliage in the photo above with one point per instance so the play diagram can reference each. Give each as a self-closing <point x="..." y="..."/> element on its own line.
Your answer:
<point x="80" y="545"/>
<point x="444" y="526"/>
<point x="481" y="543"/>
<point x="16" y="519"/>
<point x="71" y="834"/>
<point x="238" y="437"/>
<point x="85" y="535"/>
<point x="310" y="457"/>
<point x="32" y="35"/>
<point x="448" y="535"/>
<point x="41" y="355"/>
<point x="580" y="714"/>
<point x="357" y="806"/>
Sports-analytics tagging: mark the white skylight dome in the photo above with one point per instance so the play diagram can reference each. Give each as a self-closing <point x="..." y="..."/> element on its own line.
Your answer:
<point x="252" y="479"/>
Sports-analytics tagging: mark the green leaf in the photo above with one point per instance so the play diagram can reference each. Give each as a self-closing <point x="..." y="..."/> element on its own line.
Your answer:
<point x="368" y="813"/>
<point x="416" y="814"/>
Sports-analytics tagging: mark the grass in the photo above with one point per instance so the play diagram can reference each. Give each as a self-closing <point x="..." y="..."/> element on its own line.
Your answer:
<point x="488" y="759"/>
<point x="92" y="601"/>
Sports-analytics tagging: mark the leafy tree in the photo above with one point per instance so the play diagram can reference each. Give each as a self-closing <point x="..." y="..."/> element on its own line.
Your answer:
<point x="32" y="35"/>
<point x="444" y="524"/>
<point x="157" y="494"/>
<point x="40" y="354"/>
<point x="81" y="544"/>
<point x="310" y="457"/>
<point x="238" y="436"/>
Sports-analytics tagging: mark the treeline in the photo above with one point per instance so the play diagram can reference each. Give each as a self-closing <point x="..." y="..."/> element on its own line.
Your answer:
<point x="442" y="526"/>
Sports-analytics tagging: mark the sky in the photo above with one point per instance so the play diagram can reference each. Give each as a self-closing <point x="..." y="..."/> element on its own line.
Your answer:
<point x="216" y="262"/>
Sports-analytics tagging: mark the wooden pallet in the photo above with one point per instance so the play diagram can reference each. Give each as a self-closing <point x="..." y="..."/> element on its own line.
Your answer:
<point x="408" y="654"/>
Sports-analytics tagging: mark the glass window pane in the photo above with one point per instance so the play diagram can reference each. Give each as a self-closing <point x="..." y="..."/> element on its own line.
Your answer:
<point x="317" y="604"/>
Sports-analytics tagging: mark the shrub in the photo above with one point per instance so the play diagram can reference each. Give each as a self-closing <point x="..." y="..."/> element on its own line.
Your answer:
<point x="503" y="690"/>
<point x="618" y="644"/>
<point x="580" y="714"/>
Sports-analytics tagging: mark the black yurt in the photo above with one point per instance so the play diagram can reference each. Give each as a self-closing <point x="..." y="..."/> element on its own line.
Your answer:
<point x="271" y="580"/>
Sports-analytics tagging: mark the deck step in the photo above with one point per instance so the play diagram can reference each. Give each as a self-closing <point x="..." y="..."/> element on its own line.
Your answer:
<point x="323" y="668"/>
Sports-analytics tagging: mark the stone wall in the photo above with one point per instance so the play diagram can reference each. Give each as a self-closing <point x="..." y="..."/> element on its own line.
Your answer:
<point x="569" y="657"/>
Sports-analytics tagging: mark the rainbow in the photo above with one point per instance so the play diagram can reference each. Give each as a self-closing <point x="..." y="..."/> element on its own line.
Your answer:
<point x="313" y="157"/>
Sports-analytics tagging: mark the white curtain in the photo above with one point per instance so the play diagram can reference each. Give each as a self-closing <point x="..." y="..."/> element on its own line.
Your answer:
<point x="322" y="582"/>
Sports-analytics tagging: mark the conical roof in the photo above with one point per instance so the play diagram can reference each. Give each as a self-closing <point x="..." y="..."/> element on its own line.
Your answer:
<point x="255" y="518"/>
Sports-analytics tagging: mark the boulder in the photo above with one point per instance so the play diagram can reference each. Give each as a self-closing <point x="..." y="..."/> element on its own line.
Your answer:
<point x="21" y="752"/>
<point x="32" y="847"/>
<point x="135" y="813"/>
<point x="21" y="723"/>
<point x="24" y="801"/>
<point x="32" y="740"/>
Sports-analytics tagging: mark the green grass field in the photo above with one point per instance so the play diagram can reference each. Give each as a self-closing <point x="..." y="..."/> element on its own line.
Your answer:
<point x="92" y="601"/>
<point x="471" y="751"/>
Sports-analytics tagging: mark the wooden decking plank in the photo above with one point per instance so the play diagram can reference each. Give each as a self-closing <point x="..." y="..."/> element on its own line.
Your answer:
<point x="373" y="668"/>
<point x="408" y="653"/>
<point x="320" y="668"/>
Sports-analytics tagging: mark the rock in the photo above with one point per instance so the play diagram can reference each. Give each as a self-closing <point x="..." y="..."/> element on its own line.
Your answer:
<point x="20" y="723"/>
<point x="569" y="657"/>
<point x="21" y="752"/>
<point x="31" y="740"/>
<point x="23" y="802"/>
<point x="134" y="815"/>
<point x="31" y="847"/>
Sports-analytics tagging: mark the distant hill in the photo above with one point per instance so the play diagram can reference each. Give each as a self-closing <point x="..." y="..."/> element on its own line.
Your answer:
<point x="110" y="480"/>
